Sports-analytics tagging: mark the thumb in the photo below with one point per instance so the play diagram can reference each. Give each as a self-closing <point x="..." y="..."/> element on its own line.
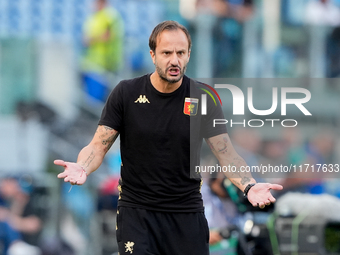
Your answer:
<point x="60" y="162"/>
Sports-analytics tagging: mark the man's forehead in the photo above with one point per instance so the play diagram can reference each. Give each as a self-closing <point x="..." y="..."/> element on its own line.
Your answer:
<point x="168" y="36"/>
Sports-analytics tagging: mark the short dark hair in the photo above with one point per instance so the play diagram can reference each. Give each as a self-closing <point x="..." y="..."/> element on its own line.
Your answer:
<point x="166" y="25"/>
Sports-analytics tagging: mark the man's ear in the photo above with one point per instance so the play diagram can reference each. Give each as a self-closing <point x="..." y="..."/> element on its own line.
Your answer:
<point x="152" y="54"/>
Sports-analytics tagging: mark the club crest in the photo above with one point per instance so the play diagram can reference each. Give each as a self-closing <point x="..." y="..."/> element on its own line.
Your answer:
<point x="190" y="106"/>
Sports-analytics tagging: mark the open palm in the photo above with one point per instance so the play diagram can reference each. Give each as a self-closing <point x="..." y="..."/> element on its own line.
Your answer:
<point x="73" y="172"/>
<point x="260" y="195"/>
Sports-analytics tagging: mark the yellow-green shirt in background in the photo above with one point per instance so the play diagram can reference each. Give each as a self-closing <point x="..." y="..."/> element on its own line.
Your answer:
<point x="100" y="54"/>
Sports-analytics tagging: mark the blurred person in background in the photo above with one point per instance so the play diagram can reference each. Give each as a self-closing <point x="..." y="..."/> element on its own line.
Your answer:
<point x="322" y="13"/>
<point x="219" y="210"/>
<point x="314" y="151"/>
<point x="274" y="152"/>
<point x="295" y="144"/>
<point x="8" y="235"/>
<point x="248" y="144"/>
<point x="219" y="28"/>
<point x="321" y="147"/>
<point x="319" y="150"/>
<point x="103" y="40"/>
<point x="214" y="7"/>
<point x="160" y="207"/>
<point x="240" y="10"/>
<point x="20" y="227"/>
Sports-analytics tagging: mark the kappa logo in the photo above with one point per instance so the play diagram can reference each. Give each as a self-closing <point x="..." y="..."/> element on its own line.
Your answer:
<point x="142" y="99"/>
<point x="129" y="247"/>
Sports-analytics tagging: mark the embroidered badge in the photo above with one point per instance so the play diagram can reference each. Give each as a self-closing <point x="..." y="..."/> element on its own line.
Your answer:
<point x="190" y="106"/>
<point x="129" y="247"/>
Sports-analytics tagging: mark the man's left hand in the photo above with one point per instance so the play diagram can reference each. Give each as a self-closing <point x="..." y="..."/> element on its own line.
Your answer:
<point x="259" y="195"/>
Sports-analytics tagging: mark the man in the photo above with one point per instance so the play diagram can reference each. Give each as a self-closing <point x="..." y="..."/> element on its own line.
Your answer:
<point x="160" y="208"/>
<point x="103" y="37"/>
<point x="103" y="55"/>
<point x="19" y="226"/>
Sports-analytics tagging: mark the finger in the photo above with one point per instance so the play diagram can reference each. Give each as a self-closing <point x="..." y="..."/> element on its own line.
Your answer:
<point x="272" y="199"/>
<point x="261" y="205"/>
<point x="275" y="186"/>
<point x="62" y="175"/>
<point x="268" y="202"/>
<point x="60" y="162"/>
<point x="68" y="179"/>
<point x="80" y="182"/>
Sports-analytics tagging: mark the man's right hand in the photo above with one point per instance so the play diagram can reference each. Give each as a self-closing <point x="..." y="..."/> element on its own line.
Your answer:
<point x="73" y="172"/>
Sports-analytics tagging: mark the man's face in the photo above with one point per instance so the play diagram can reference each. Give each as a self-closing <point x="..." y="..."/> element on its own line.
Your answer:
<point x="171" y="55"/>
<point x="9" y="188"/>
<point x="100" y="4"/>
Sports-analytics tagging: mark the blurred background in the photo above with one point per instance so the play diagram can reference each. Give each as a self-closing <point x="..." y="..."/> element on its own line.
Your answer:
<point x="59" y="59"/>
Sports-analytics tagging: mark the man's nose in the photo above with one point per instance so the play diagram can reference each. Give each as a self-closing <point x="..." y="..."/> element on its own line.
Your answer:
<point x="174" y="59"/>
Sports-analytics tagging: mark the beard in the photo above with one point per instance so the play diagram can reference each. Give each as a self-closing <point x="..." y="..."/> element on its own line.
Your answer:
<point x="163" y="74"/>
